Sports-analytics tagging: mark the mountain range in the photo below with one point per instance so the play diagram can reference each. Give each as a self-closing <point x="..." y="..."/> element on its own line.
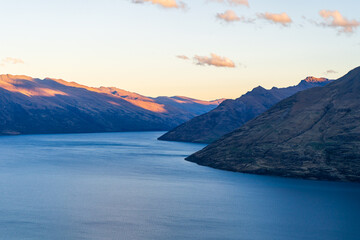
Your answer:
<point x="231" y="114"/>
<point x="314" y="134"/>
<point x="31" y="105"/>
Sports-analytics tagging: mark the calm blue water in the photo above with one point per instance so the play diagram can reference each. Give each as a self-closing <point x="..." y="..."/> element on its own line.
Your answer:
<point x="131" y="186"/>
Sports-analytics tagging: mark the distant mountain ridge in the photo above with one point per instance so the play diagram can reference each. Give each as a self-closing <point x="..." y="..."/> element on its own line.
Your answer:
<point x="231" y="114"/>
<point x="314" y="134"/>
<point x="31" y="105"/>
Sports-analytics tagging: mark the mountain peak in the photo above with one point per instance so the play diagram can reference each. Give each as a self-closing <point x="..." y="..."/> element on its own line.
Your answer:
<point x="231" y="114"/>
<point x="33" y="105"/>
<point x="258" y="88"/>
<point x="312" y="79"/>
<point x="10" y="78"/>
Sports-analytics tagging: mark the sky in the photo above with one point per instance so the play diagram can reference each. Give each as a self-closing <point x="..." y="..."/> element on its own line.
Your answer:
<point x="205" y="49"/>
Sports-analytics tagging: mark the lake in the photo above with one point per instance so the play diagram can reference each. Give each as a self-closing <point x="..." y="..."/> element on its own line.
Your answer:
<point x="131" y="186"/>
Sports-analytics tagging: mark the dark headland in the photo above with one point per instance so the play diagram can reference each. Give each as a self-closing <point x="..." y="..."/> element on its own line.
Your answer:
<point x="314" y="134"/>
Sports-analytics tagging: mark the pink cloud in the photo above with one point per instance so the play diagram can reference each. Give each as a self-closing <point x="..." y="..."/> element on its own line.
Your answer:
<point x="281" y="18"/>
<point x="163" y="3"/>
<point x="183" y="57"/>
<point x="231" y="16"/>
<point x="228" y="16"/>
<point x="233" y="2"/>
<point x="239" y="2"/>
<point x="336" y="20"/>
<point x="214" y="60"/>
<point x="10" y="60"/>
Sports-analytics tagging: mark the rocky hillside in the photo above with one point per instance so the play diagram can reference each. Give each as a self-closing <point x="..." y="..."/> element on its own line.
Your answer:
<point x="30" y="105"/>
<point x="231" y="114"/>
<point x="314" y="134"/>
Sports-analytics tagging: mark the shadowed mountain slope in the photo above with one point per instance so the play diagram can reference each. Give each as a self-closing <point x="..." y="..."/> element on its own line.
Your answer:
<point x="29" y="105"/>
<point x="231" y="114"/>
<point x="314" y="134"/>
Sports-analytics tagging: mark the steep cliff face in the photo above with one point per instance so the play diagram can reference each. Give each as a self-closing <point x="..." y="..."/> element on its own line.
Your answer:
<point x="30" y="105"/>
<point x="314" y="134"/>
<point x="231" y="114"/>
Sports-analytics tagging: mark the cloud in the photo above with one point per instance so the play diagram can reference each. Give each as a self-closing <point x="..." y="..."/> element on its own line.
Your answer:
<point x="182" y="57"/>
<point x="330" y="71"/>
<point x="164" y="3"/>
<point x="336" y="20"/>
<point x="214" y="60"/>
<point x="281" y="18"/>
<point x="233" y="2"/>
<point x="10" y="60"/>
<point x="230" y="16"/>
<point x="239" y="2"/>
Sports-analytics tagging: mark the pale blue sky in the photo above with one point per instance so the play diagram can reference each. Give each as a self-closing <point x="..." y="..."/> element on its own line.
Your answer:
<point x="134" y="46"/>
